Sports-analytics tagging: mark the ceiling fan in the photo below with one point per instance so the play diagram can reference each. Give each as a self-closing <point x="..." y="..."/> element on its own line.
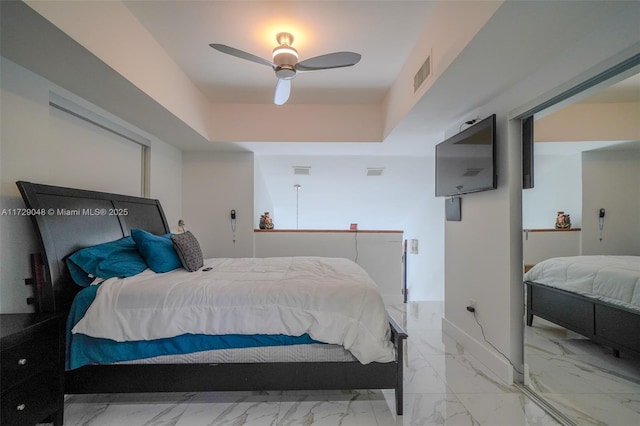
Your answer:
<point x="286" y="66"/>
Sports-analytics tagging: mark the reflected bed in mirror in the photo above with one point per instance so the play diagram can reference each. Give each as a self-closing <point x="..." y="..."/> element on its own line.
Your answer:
<point x="582" y="343"/>
<point x="596" y="296"/>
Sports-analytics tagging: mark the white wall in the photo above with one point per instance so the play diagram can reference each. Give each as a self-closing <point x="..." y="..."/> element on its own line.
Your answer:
<point x="262" y="200"/>
<point x="611" y="180"/>
<point x="337" y="191"/>
<point x="28" y="154"/>
<point x="557" y="187"/>
<point x="166" y="180"/>
<point x="558" y="182"/>
<point x="583" y="177"/>
<point x="213" y="184"/>
<point x="425" y="222"/>
<point x="483" y="252"/>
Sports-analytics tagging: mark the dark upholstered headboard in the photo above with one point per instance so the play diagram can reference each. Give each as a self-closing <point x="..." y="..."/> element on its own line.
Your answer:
<point x="67" y="219"/>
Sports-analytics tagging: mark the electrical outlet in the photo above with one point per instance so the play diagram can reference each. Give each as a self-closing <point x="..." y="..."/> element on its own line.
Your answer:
<point x="472" y="303"/>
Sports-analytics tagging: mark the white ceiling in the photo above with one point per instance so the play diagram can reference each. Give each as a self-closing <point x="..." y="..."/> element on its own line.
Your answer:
<point x="518" y="39"/>
<point x="383" y="32"/>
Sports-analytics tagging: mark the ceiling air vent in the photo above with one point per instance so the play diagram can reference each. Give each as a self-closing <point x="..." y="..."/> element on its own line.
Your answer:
<point x="301" y="170"/>
<point x="422" y="74"/>
<point x="374" y="171"/>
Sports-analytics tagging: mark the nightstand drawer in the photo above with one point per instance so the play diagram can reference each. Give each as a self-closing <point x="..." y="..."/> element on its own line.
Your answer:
<point x="24" y="360"/>
<point x="34" y="400"/>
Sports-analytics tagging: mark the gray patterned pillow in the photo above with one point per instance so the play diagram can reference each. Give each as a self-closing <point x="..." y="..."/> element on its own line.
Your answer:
<point x="188" y="250"/>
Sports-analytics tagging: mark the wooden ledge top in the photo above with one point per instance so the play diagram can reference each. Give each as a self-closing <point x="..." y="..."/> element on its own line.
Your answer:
<point x="552" y="230"/>
<point x="332" y="231"/>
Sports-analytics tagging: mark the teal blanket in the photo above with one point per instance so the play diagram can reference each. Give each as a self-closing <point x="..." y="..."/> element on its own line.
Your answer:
<point x="86" y="350"/>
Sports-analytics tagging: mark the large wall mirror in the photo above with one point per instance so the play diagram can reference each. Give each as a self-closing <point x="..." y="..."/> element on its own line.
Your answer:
<point x="586" y="158"/>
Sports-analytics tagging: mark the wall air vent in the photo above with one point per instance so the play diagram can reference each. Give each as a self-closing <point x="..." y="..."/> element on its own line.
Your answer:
<point x="301" y="170"/>
<point x="423" y="73"/>
<point x="374" y="171"/>
<point x="472" y="172"/>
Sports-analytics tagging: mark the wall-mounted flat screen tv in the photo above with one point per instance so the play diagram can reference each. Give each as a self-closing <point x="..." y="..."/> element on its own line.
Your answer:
<point x="466" y="162"/>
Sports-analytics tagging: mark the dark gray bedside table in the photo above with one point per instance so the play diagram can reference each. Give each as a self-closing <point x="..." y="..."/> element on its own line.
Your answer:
<point x="32" y="368"/>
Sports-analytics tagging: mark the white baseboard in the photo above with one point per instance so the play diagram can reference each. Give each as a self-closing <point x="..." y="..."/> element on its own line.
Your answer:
<point x="485" y="354"/>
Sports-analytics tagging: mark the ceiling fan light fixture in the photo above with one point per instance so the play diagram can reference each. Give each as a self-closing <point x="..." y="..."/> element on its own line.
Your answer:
<point x="284" y="38"/>
<point x="285" y="55"/>
<point x="285" y="50"/>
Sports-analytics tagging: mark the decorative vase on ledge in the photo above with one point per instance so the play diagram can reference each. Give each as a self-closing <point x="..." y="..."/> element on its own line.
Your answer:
<point x="563" y="221"/>
<point x="265" y="221"/>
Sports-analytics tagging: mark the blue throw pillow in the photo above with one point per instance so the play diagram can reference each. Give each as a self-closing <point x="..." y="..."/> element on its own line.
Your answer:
<point x="118" y="258"/>
<point x="157" y="250"/>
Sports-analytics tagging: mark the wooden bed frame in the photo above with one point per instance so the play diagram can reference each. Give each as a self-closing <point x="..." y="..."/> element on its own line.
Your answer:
<point x="600" y="321"/>
<point x="70" y="219"/>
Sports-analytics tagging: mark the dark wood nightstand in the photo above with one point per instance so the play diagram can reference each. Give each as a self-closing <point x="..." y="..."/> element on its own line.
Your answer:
<point x="32" y="358"/>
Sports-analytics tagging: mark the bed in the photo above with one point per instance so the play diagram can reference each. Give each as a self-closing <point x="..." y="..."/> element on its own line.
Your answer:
<point x="595" y="296"/>
<point x="67" y="220"/>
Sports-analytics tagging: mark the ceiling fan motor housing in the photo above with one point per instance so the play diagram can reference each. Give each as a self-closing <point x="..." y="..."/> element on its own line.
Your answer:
<point x="285" y="72"/>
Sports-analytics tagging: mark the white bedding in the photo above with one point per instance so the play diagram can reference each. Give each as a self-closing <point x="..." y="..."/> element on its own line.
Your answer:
<point x="613" y="279"/>
<point x="332" y="299"/>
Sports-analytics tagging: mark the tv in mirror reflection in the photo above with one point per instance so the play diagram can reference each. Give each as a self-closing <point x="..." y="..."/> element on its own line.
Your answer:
<point x="466" y="162"/>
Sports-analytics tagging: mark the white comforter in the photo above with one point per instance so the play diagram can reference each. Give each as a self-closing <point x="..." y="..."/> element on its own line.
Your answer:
<point x="614" y="279"/>
<point x="332" y="299"/>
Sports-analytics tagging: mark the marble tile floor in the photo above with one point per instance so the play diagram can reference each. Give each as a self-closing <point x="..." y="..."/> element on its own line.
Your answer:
<point x="443" y="385"/>
<point x="582" y="378"/>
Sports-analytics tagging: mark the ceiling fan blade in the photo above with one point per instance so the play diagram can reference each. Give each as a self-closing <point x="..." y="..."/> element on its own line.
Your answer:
<point x="329" y="61"/>
<point x="241" y="54"/>
<point x="283" y="90"/>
